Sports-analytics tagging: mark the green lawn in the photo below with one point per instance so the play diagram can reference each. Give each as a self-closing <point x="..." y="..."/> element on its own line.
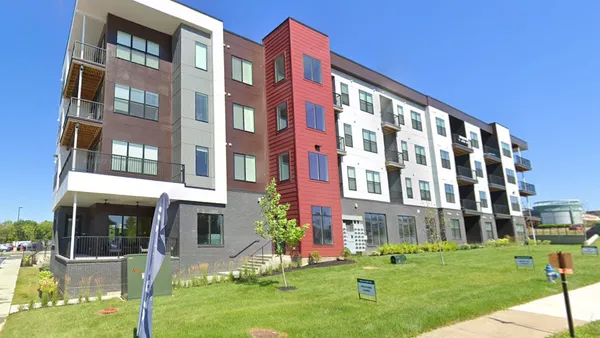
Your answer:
<point x="412" y="298"/>
<point x="591" y="330"/>
<point x="27" y="285"/>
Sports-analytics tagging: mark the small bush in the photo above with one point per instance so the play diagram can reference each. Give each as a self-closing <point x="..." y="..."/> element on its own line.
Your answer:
<point x="538" y="242"/>
<point x="346" y="253"/>
<point x="553" y="226"/>
<point x="31" y="304"/>
<point x="464" y="247"/>
<point x="314" y="257"/>
<point x="408" y="248"/>
<point x="55" y="298"/>
<point x="45" y="267"/>
<point x="376" y="253"/>
<point x="44" y="299"/>
<point x="498" y="242"/>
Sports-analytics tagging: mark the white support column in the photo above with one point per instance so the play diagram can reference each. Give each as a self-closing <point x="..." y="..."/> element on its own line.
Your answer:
<point x="82" y="37"/>
<point x="79" y="89"/>
<point x="73" y="223"/>
<point x="75" y="147"/>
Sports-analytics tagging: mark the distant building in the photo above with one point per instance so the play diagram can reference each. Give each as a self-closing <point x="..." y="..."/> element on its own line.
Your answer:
<point x="559" y="212"/>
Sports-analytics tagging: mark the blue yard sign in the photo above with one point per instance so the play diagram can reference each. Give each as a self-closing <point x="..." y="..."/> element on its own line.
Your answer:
<point x="366" y="287"/>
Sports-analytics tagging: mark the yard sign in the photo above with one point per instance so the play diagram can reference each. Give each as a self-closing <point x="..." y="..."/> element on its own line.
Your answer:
<point x="366" y="287"/>
<point x="524" y="262"/>
<point x="589" y="250"/>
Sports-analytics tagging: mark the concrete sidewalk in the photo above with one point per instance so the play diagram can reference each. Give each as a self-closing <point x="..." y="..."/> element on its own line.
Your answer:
<point x="540" y="318"/>
<point x="9" y="271"/>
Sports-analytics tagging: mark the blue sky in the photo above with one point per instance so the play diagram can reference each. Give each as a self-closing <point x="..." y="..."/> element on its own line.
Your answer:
<point x="533" y="66"/>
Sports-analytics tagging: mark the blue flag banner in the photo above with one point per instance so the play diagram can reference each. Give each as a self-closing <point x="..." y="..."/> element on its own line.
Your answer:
<point x="157" y="250"/>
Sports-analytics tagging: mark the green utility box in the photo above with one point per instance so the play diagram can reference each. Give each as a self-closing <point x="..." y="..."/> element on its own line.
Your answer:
<point x="398" y="259"/>
<point x="131" y="277"/>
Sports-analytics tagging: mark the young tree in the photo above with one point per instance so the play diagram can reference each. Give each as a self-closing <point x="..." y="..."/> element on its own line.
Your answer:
<point x="43" y="231"/>
<point x="436" y="233"/>
<point x="276" y="226"/>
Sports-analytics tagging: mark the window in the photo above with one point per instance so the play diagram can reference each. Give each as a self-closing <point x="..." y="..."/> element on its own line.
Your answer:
<point x="140" y="51"/>
<point x="420" y="155"/>
<point x="136" y="102"/>
<point x="489" y="231"/>
<point x="416" y="121"/>
<point x="455" y="229"/>
<point x="201" y="56"/>
<point x="312" y="69"/>
<point x="510" y="176"/>
<point x="441" y="126"/>
<point x="201" y="161"/>
<point x="369" y="141"/>
<point x="404" y="146"/>
<point x="318" y="167"/>
<point x="425" y="192"/>
<point x="514" y="203"/>
<point x="282" y="116"/>
<point x="478" y="169"/>
<point x="348" y="135"/>
<point x="134" y="158"/>
<point x="409" y="191"/>
<point x="400" y="114"/>
<point x="351" y="179"/>
<point x="315" y="116"/>
<point x="241" y="70"/>
<point x="321" y="223"/>
<point x="520" y="232"/>
<point x="474" y="140"/>
<point x="284" y="167"/>
<point x="483" y="199"/>
<point x="445" y="159"/>
<point x="506" y="150"/>
<point x="408" y="229"/>
<point x="280" y="68"/>
<point x="449" y="193"/>
<point x="210" y="229"/>
<point x="373" y="182"/>
<point x="366" y="101"/>
<point x="201" y="107"/>
<point x="345" y="94"/>
<point x="243" y="118"/>
<point x="244" y="167"/>
<point x="375" y="228"/>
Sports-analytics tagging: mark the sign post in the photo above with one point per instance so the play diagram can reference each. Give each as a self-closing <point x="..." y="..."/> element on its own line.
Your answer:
<point x="564" y="263"/>
<point x="524" y="261"/>
<point x="589" y="250"/>
<point x="366" y="287"/>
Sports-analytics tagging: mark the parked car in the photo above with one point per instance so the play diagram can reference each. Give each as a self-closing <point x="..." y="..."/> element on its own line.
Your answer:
<point x="4" y="248"/>
<point x="576" y="227"/>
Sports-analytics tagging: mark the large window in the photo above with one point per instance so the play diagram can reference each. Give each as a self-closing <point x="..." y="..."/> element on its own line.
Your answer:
<point x="201" y="161"/>
<point x="201" y="107"/>
<point x="520" y="232"/>
<point x="244" y="167"/>
<point x="210" y="229"/>
<point x="373" y="182"/>
<point x="376" y="229"/>
<point x="201" y="56"/>
<point x="420" y="155"/>
<point x="284" y="167"/>
<point x="345" y="94"/>
<point x="366" y="101"/>
<point x="510" y="176"/>
<point x="128" y="226"/>
<point x="241" y="70"/>
<point x="408" y="229"/>
<point x="445" y="159"/>
<point x="312" y="69"/>
<point x="134" y="158"/>
<point x="474" y="140"/>
<point x="321" y="223"/>
<point x="506" y="151"/>
<point x="455" y="229"/>
<point x="140" y="51"/>
<point x="369" y="141"/>
<point x="441" y="126"/>
<point x="315" y="116"/>
<point x="348" y="135"/>
<point x="409" y="190"/>
<point x="483" y="199"/>
<point x="489" y="231"/>
<point x="404" y="146"/>
<point x="425" y="191"/>
<point x="400" y="114"/>
<point x="282" y="116"/>
<point x="318" y="167"/>
<point x="416" y="120"/>
<point x="478" y="169"/>
<point x="351" y="178"/>
<point x="136" y="102"/>
<point x="514" y="203"/>
<point x="243" y="118"/>
<point x="449" y="193"/>
<point x="280" y="68"/>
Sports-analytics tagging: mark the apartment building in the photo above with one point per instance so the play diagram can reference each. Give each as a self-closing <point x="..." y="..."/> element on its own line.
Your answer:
<point x="158" y="97"/>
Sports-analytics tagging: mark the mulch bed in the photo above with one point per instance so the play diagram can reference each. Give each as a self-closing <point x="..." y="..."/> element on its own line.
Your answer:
<point x="256" y="333"/>
<point x="107" y="311"/>
<point x="311" y="266"/>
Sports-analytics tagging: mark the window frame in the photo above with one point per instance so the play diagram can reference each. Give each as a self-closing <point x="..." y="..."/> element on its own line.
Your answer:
<point x="441" y="128"/>
<point x="282" y="105"/>
<point x="365" y="101"/>
<point x="242" y="63"/>
<point x="479" y="170"/>
<point x="306" y="57"/>
<point x="407" y="229"/>
<point x="376" y="183"/>
<point x="400" y="110"/>
<point x="483" y="198"/>
<point x="351" y="180"/>
<point x="319" y="158"/>
<point x="474" y="140"/>
<point x="404" y="147"/>
<point x="455" y="228"/>
<point x="345" y="96"/>
<point x="197" y="95"/>
<point x="280" y="162"/>
<point x="244" y="118"/>
<point x="131" y="49"/>
<point x="489" y="232"/>
<point x="207" y="151"/>
<point x="450" y="196"/>
<point x="375" y="219"/>
<point x="409" y="188"/>
<point x="246" y="157"/>
<point x="323" y="216"/>
<point x="220" y="222"/>
<point x="314" y="112"/>
<point x="421" y="158"/>
<point x="417" y="123"/>
<point x="279" y="71"/>
<point x="445" y="160"/>
<point x="348" y="139"/>
<point x="200" y="44"/>
<point x="368" y="144"/>
<point x="125" y="161"/>
<point x="510" y="176"/>
<point x="130" y="101"/>
<point x="506" y="150"/>
<point x="425" y="194"/>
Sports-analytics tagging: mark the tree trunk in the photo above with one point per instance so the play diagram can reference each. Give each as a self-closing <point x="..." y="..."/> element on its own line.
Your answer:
<point x="442" y="253"/>
<point x="282" y="270"/>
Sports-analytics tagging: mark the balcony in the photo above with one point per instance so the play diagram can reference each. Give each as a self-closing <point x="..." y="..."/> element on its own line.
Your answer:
<point x="341" y="146"/>
<point x="95" y="247"/>
<point x="465" y="176"/>
<point x="526" y="189"/>
<point x="521" y="163"/>
<point x="461" y="145"/>
<point x="491" y="155"/>
<point x="337" y="102"/>
<point x="92" y="61"/>
<point x="390" y="122"/>
<point x="501" y="211"/>
<point x="88" y="115"/>
<point x="394" y="160"/>
<point x="496" y="183"/>
<point x="470" y="207"/>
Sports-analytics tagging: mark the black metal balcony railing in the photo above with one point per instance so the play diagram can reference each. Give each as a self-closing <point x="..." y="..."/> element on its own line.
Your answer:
<point x="393" y="156"/>
<point x="500" y="209"/>
<point x="461" y="140"/>
<point x="523" y="162"/>
<point x="491" y="151"/>
<point x="111" y="246"/>
<point x="515" y="206"/>
<point x="465" y="172"/>
<point x="391" y="118"/>
<point x="341" y="145"/>
<point x="89" y="53"/>
<point x="472" y="205"/>
<point x="337" y="100"/>
<point x="117" y="165"/>
<point x="85" y="109"/>
<point x="526" y="187"/>
<point x="494" y="179"/>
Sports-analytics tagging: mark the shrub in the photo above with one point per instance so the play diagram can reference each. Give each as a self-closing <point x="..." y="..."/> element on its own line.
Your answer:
<point x="538" y="242"/>
<point x="553" y="226"/>
<point x="55" y="298"/>
<point x="376" y="253"/>
<point x="464" y="247"/>
<point x="31" y="304"/>
<point x="44" y="299"/>
<point x="346" y="253"/>
<point x="314" y="257"/>
<point x="407" y="248"/>
<point x="45" y="267"/>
